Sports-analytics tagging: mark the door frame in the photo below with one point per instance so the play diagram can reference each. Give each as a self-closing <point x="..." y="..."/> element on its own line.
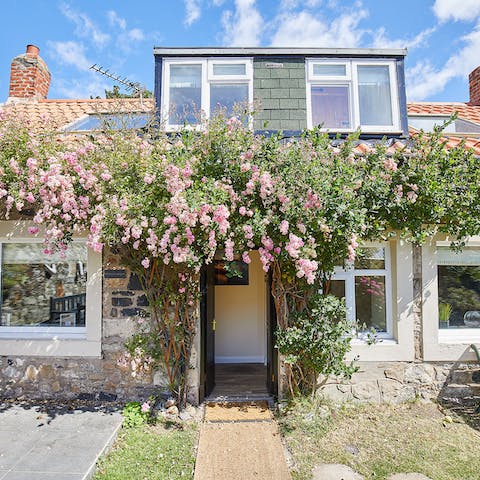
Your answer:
<point x="207" y="335"/>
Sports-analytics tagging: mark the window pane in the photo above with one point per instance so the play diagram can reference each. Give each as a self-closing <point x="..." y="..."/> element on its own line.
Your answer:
<point x="43" y="290"/>
<point x="370" y="306"/>
<point x="185" y="94"/>
<point x="374" y="95"/>
<point x="227" y="95"/>
<point x="229" y="69"/>
<point x="330" y="106"/>
<point x="459" y="288"/>
<point x="369" y="258"/>
<point x="329" y="70"/>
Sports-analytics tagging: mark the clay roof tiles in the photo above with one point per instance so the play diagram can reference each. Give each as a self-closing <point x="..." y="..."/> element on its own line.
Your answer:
<point x="60" y="113"/>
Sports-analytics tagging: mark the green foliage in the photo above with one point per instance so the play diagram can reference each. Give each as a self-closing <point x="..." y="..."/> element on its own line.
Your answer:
<point x="136" y="414"/>
<point x="444" y="312"/>
<point x="316" y="341"/>
<point x="169" y="204"/>
<point x="115" y="93"/>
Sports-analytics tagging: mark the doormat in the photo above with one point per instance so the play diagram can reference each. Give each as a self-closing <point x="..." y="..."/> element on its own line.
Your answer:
<point x="238" y="412"/>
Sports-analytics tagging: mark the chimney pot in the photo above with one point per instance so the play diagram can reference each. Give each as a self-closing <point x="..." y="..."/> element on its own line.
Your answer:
<point x="33" y="51"/>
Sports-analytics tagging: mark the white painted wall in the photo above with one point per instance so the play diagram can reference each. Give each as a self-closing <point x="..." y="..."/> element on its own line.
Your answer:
<point x="240" y="312"/>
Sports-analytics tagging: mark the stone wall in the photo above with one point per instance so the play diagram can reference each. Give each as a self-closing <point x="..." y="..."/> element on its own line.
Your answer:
<point x="396" y="382"/>
<point x="88" y="378"/>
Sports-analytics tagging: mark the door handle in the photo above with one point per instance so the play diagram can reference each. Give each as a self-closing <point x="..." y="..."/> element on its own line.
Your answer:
<point x="214" y="324"/>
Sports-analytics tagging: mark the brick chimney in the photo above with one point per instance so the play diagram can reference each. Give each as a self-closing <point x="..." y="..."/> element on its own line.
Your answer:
<point x="474" y="82"/>
<point x="29" y="77"/>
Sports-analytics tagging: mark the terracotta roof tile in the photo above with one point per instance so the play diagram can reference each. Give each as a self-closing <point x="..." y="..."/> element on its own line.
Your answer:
<point x="465" y="111"/>
<point x="63" y="112"/>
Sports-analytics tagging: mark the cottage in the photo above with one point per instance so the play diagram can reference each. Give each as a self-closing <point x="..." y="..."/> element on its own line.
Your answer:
<point x="62" y="332"/>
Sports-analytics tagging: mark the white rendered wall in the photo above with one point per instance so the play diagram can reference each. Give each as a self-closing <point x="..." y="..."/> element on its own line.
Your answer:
<point x="240" y="312"/>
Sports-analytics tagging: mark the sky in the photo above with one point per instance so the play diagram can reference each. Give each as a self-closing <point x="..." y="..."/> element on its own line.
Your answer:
<point x="442" y="36"/>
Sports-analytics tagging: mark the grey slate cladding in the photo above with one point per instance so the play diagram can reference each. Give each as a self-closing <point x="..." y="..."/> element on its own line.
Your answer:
<point x="279" y="89"/>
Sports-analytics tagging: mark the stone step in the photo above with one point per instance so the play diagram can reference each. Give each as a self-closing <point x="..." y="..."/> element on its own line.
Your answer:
<point x="455" y="390"/>
<point x="462" y="376"/>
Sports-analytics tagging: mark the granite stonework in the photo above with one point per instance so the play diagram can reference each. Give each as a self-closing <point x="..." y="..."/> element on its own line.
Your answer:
<point x="397" y="382"/>
<point x="89" y="378"/>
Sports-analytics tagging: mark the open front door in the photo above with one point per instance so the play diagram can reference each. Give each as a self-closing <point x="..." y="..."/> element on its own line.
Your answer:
<point x="207" y="320"/>
<point x="272" y="352"/>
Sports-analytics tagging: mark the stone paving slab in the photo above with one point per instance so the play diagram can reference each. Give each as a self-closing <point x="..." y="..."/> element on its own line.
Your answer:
<point x="41" y="442"/>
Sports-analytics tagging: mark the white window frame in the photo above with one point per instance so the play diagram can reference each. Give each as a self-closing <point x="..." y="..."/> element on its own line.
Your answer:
<point x="56" y="341"/>
<point x="400" y="345"/>
<point x="208" y="78"/>
<point x="442" y="344"/>
<point x="351" y="78"/>
<point x="348" y="275"/>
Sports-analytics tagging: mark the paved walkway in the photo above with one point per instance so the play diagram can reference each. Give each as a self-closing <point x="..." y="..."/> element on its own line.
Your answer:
<point x="240" y="442"/>
<point x="43" y="442"/>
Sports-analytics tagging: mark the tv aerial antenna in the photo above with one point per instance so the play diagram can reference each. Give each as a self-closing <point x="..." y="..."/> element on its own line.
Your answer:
<point x="135" y="87"/>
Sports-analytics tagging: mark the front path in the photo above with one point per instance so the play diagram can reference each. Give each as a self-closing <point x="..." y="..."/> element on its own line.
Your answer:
<point x="240" y="442"/>
<point x="45" y="441"/>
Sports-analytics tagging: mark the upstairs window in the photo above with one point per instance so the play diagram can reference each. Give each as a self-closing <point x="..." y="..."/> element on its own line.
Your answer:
<point x="202" y="86"/>
<point x="344" y="95"/>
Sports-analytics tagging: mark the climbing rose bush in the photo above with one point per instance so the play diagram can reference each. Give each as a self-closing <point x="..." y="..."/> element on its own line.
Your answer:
<point x="169" y="204"/>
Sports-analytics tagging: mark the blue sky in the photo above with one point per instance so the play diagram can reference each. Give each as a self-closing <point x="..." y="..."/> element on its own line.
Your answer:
<point x="442" y="36"/>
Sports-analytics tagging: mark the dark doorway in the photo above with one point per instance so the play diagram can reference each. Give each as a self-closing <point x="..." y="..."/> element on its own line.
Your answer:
<point x="236" y="368"/>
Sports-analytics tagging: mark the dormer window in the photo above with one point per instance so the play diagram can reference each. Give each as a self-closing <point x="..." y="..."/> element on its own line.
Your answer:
<point x="346" y="95"/>
<point x="192" y="87"/>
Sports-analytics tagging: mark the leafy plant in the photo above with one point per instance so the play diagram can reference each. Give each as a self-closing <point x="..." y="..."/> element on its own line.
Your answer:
<point x="136" y="414"/>
<point x="316" y="342"/>
<point x="444" y="312"/>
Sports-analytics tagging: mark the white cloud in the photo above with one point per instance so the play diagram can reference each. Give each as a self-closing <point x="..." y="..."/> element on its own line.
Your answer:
<point x="136" y="35"/>
<point x="303" y="29"/>
<point x="292" y="4"/>
<point x="424" y="80"/>
<point x="456" y="9"/>
<point x="192" y="11"/>
<point x="69" y="53"/>
<point x="380" y="39"/>
<point x="84" y="26"/>
<point x="115" y="20"/>
<point x="244" y="27"/>
<point x="89" y="85"/>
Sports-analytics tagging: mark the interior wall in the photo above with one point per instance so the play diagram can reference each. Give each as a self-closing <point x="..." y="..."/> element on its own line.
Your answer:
<point x="240" y="313"/>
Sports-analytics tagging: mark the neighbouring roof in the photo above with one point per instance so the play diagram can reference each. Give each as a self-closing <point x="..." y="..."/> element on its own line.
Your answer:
<point x="469" y="113"/>
<point x="62" y="113"/>
<point x="464" y="111"/>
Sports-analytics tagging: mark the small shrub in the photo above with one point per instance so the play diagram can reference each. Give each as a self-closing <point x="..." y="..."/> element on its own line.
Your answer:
<point x="136" y="414"/>
<point x="316" y="342"/>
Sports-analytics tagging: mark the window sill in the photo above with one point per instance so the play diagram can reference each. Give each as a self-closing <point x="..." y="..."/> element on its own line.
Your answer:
<point x="459" y="336"/>
<point x="43" y="332"/>
<point x="52" y="346"/>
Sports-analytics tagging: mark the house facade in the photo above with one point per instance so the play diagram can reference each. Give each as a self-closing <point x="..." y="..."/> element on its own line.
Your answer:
<point x="89" y="303"/>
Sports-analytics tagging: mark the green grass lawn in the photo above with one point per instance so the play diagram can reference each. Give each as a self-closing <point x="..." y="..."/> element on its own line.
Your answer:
<point x="378" y="440"/>
<point x="161" y="452"/>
